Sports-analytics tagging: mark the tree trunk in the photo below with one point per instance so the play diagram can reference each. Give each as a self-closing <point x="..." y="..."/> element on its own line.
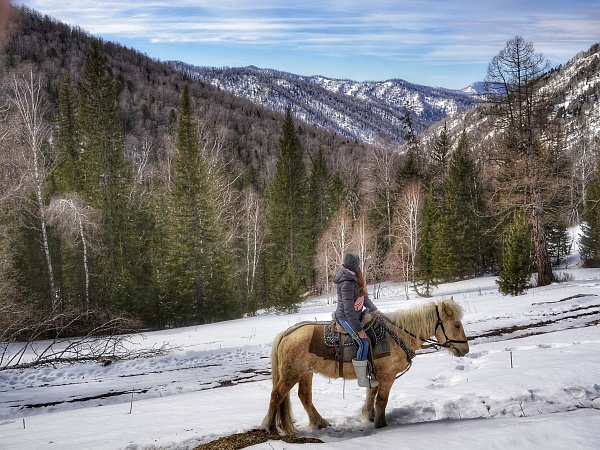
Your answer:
<point x="544" y="267"/>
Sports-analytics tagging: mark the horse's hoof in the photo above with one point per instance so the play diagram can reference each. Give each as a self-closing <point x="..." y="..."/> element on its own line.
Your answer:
<point x="270" y="429"/>
<point x="319" y="425"/>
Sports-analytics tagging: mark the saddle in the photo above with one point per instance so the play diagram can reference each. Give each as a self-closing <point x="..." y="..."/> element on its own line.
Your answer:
<point x="331" y="341"/>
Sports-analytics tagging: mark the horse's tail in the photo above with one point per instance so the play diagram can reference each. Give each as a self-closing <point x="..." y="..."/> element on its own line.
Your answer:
<point x="284" y="418"/>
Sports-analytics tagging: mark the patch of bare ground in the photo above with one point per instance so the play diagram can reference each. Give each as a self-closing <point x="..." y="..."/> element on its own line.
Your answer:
<point x="589" y="313"/>
<point x="253" y="437"/>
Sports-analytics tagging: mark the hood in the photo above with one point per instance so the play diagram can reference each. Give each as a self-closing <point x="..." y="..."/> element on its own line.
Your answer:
<point x="343" y="274"/>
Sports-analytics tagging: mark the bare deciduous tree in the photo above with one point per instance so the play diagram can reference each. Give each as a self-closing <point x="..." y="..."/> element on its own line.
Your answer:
<point x="513" y="81"/>
<point x="254" y="236"/>
<point x="336" y="240"/>
<point x="383" y="175"/>
<point x="77" y="223"/>
<point x="26" y="95"/>
<point x="406" y="227"/>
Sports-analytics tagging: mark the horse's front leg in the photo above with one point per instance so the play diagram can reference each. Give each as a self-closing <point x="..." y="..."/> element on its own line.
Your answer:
<point x="368" y="410"/>
<point x="381" y="400"/>
<point x="305" y="394"/>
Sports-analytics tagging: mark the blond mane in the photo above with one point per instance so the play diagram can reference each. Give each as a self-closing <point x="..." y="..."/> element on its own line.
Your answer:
<point x="421" y="320"/>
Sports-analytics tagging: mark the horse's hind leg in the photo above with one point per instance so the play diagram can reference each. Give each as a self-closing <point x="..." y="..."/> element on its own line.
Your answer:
<point x="279" y="409"/>
<point x="305" y="394"/>
<point x="368" y="410"/>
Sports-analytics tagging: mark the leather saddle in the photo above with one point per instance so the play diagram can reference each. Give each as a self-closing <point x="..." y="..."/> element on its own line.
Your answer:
<point x="333" y="342"/>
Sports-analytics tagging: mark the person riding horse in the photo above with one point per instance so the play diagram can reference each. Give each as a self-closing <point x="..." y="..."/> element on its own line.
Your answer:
<point x="353" y="303"/>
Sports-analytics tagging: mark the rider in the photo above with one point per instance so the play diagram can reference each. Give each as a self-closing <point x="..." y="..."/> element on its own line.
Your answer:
<point x="352" y="298"/>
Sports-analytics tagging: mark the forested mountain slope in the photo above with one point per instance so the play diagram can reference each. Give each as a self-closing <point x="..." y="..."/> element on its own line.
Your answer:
<point x="149" y="92"/>
<point x="370" y="111"/>
<point x="572" y="93"/>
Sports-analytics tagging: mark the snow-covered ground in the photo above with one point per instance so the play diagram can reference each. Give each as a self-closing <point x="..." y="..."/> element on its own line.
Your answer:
<point x="530" y="381"/>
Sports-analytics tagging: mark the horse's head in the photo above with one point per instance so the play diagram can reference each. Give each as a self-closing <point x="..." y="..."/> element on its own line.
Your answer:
<point x="449" y="330"/>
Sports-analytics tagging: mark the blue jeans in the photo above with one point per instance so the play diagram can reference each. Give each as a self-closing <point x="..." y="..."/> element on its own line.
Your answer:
<point x="363" y="344"/>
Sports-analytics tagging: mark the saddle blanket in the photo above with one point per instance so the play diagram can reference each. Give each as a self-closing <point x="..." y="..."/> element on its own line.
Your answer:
<point x="326" y="336"/>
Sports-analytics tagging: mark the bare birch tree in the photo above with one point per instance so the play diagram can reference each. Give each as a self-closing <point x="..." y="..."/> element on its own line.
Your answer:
<point x="407" y="217"/>
<point x="77" y="223"/>
<point x="365" y="245"/>
<point x="254" y="236"/>
<point x="383" y="175"/>
<point x="336" y="240"/>
<point x="26" y="96"/>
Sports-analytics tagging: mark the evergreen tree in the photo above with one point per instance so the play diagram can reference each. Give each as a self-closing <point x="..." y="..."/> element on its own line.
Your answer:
<point x="425" y="279"/>
<point x="462" y="243"/>
<point x="559" y="244"/>
<point x="322" y="205"/>
<point x="196" y="277"/>
<point x="290" y="252"/>
<point x="121" y="268"/>
<point x="589" y="244"/>
<point x="440" y="155"/>
<point x="102" y="167"/>
<point x="66" y="173"/>
<point x="66" y="179"/>
<point x="409" y="171"/>
<point x="516" y="258"/>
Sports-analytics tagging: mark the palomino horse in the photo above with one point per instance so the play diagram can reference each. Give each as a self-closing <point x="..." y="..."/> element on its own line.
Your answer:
<point x="292" y="362"/>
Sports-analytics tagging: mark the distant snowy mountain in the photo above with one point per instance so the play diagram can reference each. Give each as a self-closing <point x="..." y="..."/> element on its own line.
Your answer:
<point x="573" y="95"/>
<point x="477" y="88"/>
<point x="369" y="111"/>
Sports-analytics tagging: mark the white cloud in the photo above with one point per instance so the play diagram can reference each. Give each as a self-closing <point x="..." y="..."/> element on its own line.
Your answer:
<point x="425" y="32"/>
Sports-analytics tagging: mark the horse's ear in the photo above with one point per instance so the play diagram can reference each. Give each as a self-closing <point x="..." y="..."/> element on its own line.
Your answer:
<point x="447" y="309"/>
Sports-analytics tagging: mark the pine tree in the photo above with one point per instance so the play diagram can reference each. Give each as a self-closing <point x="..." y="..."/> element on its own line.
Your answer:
<point x="65" y="180"/>
<point x="290" y="253"/>
<point x="516" y="258"/>
<point x="196" y="277"/>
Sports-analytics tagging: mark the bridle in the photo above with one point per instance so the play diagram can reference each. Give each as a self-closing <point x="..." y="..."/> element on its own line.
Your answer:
<point x="448" y="343"/>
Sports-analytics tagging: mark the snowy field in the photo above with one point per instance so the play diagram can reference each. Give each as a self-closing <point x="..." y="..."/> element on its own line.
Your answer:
<point x="530" y="381"/>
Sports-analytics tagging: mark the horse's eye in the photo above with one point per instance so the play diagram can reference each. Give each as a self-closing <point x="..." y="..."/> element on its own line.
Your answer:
<point x="457" y="326"/>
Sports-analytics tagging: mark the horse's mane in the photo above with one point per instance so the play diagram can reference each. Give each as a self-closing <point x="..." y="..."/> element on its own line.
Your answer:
<point x="420" y="319"/>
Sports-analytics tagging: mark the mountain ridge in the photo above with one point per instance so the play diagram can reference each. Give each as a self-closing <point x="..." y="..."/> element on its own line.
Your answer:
<point x="368" y="111"/>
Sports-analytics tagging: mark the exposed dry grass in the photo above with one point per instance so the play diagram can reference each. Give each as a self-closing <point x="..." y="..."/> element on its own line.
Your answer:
<point x="252" y="437"/>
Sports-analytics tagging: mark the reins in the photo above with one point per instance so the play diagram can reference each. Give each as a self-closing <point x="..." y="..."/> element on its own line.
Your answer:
<point x="447" y="344"/>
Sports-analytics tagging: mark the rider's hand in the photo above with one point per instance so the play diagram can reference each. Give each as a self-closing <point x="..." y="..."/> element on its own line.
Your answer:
<point x="362" y="334"/>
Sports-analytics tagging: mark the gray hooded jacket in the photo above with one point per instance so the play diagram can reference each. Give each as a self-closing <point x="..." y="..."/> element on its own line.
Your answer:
<point x="347" y="293"/>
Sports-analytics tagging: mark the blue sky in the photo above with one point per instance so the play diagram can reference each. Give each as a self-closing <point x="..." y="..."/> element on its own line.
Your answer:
<point x="446" y="43"/>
